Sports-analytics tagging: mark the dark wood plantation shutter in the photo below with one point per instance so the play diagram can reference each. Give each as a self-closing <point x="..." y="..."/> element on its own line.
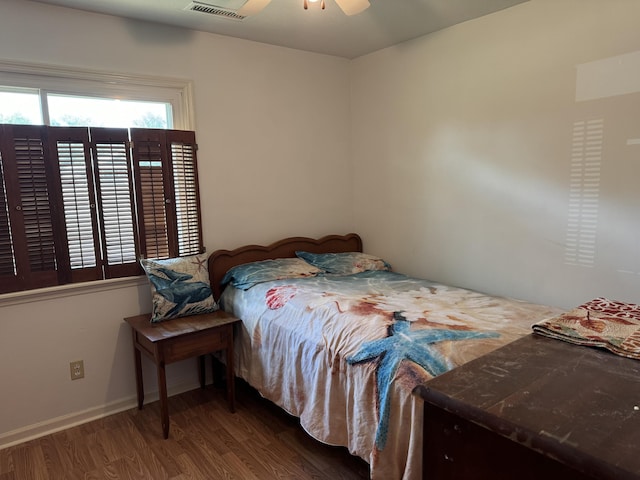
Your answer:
<point x="182" y="150"/>
<point x="114" y="185"/>
<point x="30" y="186"/>
<point x="80" y="261"/>
<point x="7" y="257"/>
<point x="157" y="240"/>
<point x="8" y="274"/>
<point x="168" y="212"/>
<point x="97" y="195"/>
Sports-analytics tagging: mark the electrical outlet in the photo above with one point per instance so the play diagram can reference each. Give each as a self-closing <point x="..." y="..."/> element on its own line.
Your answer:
<point x="77" y="369"/>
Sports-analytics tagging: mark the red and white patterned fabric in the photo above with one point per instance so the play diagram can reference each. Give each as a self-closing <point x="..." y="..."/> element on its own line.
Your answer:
<point x="600" y="323"/>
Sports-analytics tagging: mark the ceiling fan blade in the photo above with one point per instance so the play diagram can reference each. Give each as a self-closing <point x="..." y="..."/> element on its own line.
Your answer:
<point x="252" y="7"/>
<point x="353" y="7"/>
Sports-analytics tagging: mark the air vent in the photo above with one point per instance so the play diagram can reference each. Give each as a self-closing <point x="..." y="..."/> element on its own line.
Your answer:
<point x="214" y="10"/>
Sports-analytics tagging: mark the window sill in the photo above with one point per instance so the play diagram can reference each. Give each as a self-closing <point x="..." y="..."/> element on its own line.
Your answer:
<point x="60" y="291"/>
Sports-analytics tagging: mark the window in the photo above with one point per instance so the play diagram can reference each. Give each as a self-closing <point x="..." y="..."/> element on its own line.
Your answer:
<point x="45" y="95"/>
<point x="80" y="203"/>
<point x="68" y="110"/>
<point x="38" y="106"/>
<point x="20" y="106"/>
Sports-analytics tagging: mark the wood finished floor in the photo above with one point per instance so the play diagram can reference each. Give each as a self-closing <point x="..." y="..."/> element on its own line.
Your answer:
<point x="206" y="442"/>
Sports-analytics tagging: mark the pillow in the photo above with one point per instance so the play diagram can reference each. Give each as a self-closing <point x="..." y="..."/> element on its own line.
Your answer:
<point x="247" y="275"/>
<point x="179" y="287"/>
<point x="344" y="263"/>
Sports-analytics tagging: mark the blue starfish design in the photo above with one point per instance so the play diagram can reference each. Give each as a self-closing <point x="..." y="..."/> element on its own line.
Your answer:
<point x="404" y="343"/>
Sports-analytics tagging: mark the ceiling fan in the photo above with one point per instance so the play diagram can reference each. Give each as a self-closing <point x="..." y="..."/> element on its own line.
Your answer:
<point x="349" y="7"/>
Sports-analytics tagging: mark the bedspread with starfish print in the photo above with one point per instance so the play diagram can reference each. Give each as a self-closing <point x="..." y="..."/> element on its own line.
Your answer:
<point x="344" y="353"/>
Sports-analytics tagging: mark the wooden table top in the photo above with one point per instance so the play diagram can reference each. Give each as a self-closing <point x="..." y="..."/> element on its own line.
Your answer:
<point x="578" y="404"/>
<point x="178" y="326"/>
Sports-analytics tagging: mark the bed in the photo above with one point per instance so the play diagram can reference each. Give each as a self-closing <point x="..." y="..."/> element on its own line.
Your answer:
<point x="344" y="351"/>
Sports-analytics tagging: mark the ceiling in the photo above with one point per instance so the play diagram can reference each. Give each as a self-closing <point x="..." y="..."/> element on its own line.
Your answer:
<point x="286" y="23"/>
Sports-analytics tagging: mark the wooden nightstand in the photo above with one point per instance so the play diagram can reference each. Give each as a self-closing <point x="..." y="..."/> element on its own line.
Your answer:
<point x="179" y="339"/>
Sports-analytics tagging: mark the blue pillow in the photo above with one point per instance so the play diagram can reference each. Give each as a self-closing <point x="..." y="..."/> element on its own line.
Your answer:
<point x="179" y="287"/>
<point x="247" y="275"/>
<point x="344" y="263"/>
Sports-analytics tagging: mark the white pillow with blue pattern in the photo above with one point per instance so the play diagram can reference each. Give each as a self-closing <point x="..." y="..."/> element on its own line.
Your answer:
<point x="345" y="263"/>
<point x="179" y="287"/>
<point x="247" y="275"/>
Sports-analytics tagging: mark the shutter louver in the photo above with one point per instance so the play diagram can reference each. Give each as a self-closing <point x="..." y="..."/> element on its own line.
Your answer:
<point x="115" y="196"/>
<point x="77" y="207"/>
<point x="185" y="181"/>
<point x="29" y="185"/>
<point x="70" y="145"/>
<point x="35" y="203"/>
<point x="149" y="151"/>
<point x="7" y="256"/>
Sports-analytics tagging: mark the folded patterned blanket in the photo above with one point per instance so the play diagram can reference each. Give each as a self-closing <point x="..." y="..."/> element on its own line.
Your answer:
<point x="600" y="323"/>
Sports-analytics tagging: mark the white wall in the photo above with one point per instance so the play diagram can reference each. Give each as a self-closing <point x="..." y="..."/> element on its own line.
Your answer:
<point x="273" y="129"/>
<point x="463" y="144"/>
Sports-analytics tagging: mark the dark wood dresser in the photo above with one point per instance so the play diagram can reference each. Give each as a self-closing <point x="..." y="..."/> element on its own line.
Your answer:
<point x="538" y="408"/>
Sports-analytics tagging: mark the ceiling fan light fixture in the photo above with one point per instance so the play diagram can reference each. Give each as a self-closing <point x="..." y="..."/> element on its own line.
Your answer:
<point x="306" y="3"/>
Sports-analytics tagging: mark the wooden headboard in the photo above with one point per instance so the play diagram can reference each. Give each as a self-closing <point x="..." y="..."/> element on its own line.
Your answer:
<point x="221" y="261"/>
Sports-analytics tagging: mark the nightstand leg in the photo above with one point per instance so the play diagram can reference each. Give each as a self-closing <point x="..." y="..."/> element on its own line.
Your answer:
<point x="162" y="391"/>
<point x="231" y="381"/>
<point x="137" y="360"/>
<point x="213" y="370"/>
<point x="201" y="370"/>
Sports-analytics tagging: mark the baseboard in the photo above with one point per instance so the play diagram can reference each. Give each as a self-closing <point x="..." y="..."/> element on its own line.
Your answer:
<point x="63" y="422"/>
